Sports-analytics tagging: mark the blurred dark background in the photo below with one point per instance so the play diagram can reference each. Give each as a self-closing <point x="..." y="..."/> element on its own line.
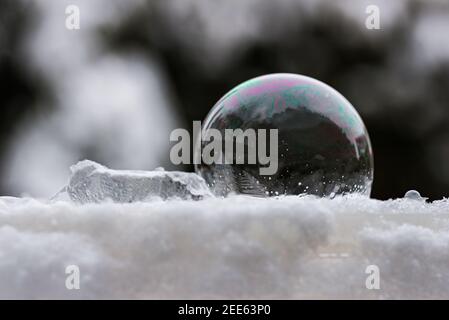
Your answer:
<point x="114" y="89"/>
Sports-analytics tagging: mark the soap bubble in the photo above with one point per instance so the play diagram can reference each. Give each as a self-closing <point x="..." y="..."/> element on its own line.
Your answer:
<point x="322" y="146"/>
<point x="414" y="195"/>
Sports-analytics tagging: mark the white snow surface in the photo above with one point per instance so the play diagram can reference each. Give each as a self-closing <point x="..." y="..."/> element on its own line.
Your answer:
<point x="238" y="247"/>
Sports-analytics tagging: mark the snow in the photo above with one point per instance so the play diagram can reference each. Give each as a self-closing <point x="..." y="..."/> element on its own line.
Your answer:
<point x="238" y="247"/>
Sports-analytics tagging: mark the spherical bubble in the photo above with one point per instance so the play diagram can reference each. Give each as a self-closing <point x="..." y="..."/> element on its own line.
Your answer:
<point x="414" y="195"/>
<point x="322" y="145"/>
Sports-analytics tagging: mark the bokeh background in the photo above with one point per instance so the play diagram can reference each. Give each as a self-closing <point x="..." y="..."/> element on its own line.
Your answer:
<point x="113" y="90"/>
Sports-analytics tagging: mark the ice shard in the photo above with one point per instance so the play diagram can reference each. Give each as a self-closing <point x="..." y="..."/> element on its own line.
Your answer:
<point x="91" y="182"/>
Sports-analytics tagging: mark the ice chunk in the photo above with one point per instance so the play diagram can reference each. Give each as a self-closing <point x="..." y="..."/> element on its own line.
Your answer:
<point x="92" y="182"/>
<point x="5" y="202"/>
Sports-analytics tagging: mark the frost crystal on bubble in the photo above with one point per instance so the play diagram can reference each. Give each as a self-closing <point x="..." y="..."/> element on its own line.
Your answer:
<point x="91" y="182"/>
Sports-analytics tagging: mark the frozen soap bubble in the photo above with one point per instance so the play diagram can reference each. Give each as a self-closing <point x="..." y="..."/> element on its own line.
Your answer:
<point x="414" y="195"/>
<point x="322" y="145"/>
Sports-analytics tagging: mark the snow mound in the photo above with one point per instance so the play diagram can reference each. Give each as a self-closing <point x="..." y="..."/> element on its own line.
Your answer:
<point x="238" y="247"/>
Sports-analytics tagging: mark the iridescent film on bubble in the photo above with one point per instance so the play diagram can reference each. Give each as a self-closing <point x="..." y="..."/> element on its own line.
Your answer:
<point x="323" y="146"/>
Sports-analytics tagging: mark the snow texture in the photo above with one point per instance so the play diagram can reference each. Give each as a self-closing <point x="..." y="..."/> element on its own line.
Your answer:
<point x="238" y="247"/>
